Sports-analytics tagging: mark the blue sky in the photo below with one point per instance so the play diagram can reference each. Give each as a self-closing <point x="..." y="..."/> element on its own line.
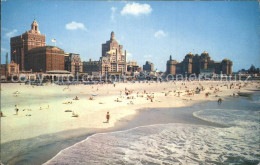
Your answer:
<point x="148" y="30"/>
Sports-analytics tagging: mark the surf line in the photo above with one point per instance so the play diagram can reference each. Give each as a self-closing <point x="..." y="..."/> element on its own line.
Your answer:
<point x="91" y="136"/>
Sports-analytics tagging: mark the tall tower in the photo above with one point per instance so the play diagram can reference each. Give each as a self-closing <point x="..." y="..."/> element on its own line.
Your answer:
<point x="20" y="45"/>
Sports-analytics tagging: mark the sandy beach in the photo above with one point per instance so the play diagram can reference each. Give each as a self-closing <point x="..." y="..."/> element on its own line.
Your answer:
<point x="49" y="109"/>
<point x="45" y="117"/>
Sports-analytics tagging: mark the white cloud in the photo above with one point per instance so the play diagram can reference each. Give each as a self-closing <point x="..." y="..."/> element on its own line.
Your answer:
<point x="159" y="34"/>
<point x="75" y="25"/>
<point x="11" y="33"/>
<point x="113" y="10"/>
<point x="136" y="9"/>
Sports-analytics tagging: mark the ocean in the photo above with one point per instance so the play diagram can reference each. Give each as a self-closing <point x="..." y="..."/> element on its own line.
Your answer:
<point x="211" y="134"/>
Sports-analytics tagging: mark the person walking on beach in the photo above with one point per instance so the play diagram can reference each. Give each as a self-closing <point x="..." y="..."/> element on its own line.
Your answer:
<point x="108" y="117"/>
<point x="16" y="109"/>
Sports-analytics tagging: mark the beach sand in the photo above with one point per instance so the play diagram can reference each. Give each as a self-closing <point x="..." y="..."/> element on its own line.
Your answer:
<point x="42" y="109"/>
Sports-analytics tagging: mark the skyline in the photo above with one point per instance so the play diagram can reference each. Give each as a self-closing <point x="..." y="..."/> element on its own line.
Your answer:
<point x="149" y="31"/>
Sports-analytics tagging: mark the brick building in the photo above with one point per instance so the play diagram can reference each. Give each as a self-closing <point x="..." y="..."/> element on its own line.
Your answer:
<point x="195" y="64"/>
<point x="21" y="45"/>
<point x="46" y="58"/>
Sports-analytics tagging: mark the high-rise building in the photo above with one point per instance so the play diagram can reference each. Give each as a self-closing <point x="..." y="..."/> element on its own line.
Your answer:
<point x="195" y="64"/>
<point x="113" y="57"/>
<point x="112" y="60"/>
<point x="21" y="45"/>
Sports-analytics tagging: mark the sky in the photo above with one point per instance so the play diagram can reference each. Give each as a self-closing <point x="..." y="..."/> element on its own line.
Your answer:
<point x="148" y="30"/>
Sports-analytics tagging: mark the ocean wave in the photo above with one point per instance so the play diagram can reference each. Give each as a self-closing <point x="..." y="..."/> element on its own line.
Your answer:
<point x="164" y="144"/>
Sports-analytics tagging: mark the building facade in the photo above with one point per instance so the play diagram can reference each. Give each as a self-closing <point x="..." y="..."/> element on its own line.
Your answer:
<point x="195" y="64"/>
<point x="21" y="45"/>
<point x="149" y="67"/>
<point x="92" y="67"/>
<point x="73" y="63"/>
<point x="46" y="58"/>
<point x="13" y="68"/>
<point x="132" y="66"/>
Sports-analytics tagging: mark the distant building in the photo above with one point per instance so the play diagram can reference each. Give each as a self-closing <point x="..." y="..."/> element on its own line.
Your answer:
<point x="113" y="58"/>
<point x="21" y="45"/>
<point x="112" y="61"/>
<point x="226" y="66"/>
<point x="171" y="66"/>
<point x="46" y="58"/>
<point x="73" y="63"/>
<point x="198" y="65"/>
<point x="13" y="68"/>
<point x="7" y="70"/>
<point x="132" y="66"/>
<point x="149" y="67"/>
<point x="92" y="67"/>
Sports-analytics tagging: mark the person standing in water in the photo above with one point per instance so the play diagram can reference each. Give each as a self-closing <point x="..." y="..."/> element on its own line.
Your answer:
<point x="16" y="109"/>
<point x="108" y="117"/>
